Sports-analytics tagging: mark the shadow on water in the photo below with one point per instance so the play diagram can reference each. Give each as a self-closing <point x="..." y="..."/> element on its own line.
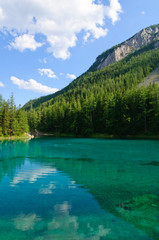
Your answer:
<point x="122" y="175"/>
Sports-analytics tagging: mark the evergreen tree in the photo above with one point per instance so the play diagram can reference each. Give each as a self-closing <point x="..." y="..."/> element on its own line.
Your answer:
<point x="108" y="101"/>
<point x="12" y="121"/>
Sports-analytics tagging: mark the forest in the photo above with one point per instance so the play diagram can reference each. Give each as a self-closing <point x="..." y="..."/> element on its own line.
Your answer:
<point x="13" y="120"/>
<point x="107" y="101"/>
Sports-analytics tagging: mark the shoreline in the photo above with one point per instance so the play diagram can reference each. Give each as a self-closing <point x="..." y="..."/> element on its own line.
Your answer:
<point x="101" y="136"/>
<point x="28" y="136"/>
<point x="126" y="137"/>
<point x="25" y="136"/>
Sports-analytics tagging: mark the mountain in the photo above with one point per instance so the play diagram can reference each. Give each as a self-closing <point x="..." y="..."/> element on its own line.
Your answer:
<point x="117" y="53"/>
<point x="107" y="100"/>
<point x="146" y="37"/>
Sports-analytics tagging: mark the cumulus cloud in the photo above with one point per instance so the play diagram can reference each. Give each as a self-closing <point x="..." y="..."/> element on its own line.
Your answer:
<point x="71" y="76"/>
<point x="1" y="84"/>
<point x="33" y="85"/>
<point x="113" y="11"/>
<point x="48" y="72"/>
<point x="25" y="41"/>
<point x="59" y="22"/>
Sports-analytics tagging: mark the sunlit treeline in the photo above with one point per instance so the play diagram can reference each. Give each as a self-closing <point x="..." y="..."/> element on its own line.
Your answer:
<point x="13" y="120"/>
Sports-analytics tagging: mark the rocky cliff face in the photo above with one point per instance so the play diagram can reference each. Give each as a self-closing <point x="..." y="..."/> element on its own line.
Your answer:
<point x="117" y="53"/>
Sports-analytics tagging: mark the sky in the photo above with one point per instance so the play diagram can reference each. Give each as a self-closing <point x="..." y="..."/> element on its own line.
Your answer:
<point x="46" y="44"/>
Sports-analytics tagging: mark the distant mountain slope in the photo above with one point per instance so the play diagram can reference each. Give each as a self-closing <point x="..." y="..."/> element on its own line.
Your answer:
<point x="34" y="103"/>
<point x="117" y="53"/>
<point x="37" y="101"/>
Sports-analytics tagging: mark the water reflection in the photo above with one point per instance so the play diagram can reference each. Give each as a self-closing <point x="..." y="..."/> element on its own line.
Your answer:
<point x="25" y="222"/>
<point x="31" y="175"/>
<point x="47" y="189"/>
<point x="69" y="226"/>
<point x="41" y="196"/>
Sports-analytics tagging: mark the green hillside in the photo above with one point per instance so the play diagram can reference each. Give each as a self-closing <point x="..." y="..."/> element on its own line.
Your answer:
<point x="90" y="77"/>
<point x="106" y="101"/>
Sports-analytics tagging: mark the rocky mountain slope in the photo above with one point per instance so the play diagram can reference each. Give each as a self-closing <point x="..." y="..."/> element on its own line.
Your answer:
<point x="141" y="39"/>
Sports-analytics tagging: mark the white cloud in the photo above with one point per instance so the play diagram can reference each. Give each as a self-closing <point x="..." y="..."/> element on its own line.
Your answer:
<point x="114" y="10"/>
<point x="25" y="41"/>
<point x="33" y="85"/>
<point x="59" y="22"/>
<point x="48" y="72"/>
<point x="1" y="84"/>
<point x="71" y="76"/>
<point x="1" y="14"/>
<point x="86" y="36"/>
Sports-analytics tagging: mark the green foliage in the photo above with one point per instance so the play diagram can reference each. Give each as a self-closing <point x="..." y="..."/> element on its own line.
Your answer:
<point x="106" y="101"/>
<point x="13" y="121"/>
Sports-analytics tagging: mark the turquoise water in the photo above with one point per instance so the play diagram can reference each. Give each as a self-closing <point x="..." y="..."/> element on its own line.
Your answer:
<point x="93" y="189"/>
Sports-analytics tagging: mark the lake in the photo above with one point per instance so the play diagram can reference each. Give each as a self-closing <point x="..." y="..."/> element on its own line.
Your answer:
<point x="74" y="188"/>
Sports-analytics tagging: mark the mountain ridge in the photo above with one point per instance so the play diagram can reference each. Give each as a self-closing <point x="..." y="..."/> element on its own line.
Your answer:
<point x="120" y="51"/>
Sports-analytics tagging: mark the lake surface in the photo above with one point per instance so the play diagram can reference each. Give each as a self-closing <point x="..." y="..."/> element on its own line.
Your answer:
<point x="68" y="188"/>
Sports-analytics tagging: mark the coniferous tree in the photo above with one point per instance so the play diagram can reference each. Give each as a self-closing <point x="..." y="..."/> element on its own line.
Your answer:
<point x="5" y="120"/>
<point x="108" y="101"/>
<point x="13" y="121"/>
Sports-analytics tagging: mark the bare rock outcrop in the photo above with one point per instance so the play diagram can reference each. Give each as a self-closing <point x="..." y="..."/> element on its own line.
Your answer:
<point x="139" y="40"/>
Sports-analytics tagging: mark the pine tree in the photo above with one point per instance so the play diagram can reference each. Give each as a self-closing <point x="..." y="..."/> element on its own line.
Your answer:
<point x="5" y="120"/>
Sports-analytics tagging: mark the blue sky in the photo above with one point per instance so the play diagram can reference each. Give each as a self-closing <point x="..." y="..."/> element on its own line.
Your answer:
<point x="45" y="44"/>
